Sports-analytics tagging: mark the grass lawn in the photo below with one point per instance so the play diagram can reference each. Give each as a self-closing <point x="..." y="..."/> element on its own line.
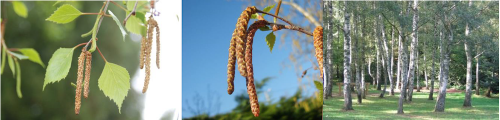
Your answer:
<point x="385" y="108"/>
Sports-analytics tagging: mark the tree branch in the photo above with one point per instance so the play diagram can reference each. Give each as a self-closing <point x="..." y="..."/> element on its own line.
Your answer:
<point x="132" y="12"/>
<point x="478" y="54"/>
<point x="290" y="27"/>
<point x="303" y="11"/>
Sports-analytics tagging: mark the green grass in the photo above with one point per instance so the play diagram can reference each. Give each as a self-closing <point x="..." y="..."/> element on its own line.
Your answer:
<point x="385" y="108"/>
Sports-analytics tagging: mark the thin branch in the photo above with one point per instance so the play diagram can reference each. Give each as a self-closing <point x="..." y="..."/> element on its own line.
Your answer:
<point x="283" y="19"/>
<point x="132" y="12"/>
<point x="121" y="7"/>
<point x="478" y="54"/>
<point x="290" y="27"/>
<point x="306" y="14"/>
<point x="100" y="21"/>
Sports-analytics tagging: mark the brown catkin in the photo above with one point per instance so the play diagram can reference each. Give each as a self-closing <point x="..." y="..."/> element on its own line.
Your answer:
<point x="241" y="27"/>
<point x="157" y="44"/>
<point x="88" y="68"/>
<point x="148" y="55"/>
<point x="252" y="92"/>
<point x="78" y="94"/>
<point x="318" y="44"/>
<point x="230" y="64"/>
<point x="143" y="51"/>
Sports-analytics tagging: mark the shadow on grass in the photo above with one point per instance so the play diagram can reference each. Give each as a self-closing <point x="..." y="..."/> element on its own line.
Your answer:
<point x="420" y="108"/>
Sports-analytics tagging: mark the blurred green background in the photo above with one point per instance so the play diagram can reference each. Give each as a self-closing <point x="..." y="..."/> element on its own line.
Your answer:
<point x="57" y="101"/>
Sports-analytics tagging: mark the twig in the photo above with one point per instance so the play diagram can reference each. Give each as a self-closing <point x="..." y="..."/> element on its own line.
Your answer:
<point x="304" y="12"/>
<point x="99" y="25"/>
<point x="132" y="12"/>
<point x="478" y="54"/>
<point x="283" y="19"/>
<point x="290" y="27"/>
<point x="118" y="5"/>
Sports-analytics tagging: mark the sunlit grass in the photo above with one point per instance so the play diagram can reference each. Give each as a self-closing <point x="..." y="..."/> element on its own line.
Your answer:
<point x="374" y="108"/>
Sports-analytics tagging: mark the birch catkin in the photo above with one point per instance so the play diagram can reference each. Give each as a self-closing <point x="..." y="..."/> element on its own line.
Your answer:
<point x="149" y="41"/>
<point x="318" y="44"/>
<point x="230" y="64"/>
<point x="81" y="60"/>
<point x="87" y="74"/>
<point x="241" y="27"/>
<point x="143" y="52"/>
<point x="252" y="93"/>
<point x="157" y="44"/>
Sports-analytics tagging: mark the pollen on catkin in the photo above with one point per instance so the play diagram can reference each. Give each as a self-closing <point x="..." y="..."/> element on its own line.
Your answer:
<point x="318" y="44"/>
<point x="81" y="63"/>
<point x="148" y="55"/>
<point x="241" y="27"/>
<point x="230" y="64"/>
<point x="252" y="93"/>
<point x="142" y="52"/>
<point x="157" y="45"/>
<point x="88" y="68"/>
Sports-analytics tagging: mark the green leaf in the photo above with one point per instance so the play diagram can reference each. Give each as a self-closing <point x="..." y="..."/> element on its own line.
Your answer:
<point x="265" y="28"/>
<point x="135" y="25"/>
<point x="20" y="9"/>
<point x="59" y="65"/>
<point x="64" y="14"/>
<point x="270" y="39"/>
<point x="144" y="8"/>
<point x="119" y="24"/>
<point x="11" y="65"/>
<point x="267" y="9"/>
<point x="319" y="86"/>
<point x="32" y="55"/>
<point x="18" y="81"/>
<point x="115" y="83"/>
<point x="3" y="59"/>
<point x="18" y="56"/>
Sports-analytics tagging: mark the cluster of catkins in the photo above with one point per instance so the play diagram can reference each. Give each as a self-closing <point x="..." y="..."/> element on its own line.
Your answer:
<point x="240" y="49"/>
<point x="146" y="47"/>
<point x="85" y="59"/>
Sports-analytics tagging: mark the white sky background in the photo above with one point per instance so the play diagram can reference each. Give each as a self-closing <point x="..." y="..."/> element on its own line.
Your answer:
<point x="165" y="86"/>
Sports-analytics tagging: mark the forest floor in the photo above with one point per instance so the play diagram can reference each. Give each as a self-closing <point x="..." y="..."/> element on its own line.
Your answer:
<point x="374" y="108"/>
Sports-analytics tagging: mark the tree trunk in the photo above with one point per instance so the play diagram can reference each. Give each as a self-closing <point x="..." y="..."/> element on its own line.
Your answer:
<point x="468" y="78"/>
<point x="445" y="66"/>
<point x="347" y="61"/>
<point x="433" y="76"/>
<point x="468" y="75"/>
<point x="404" y="68"/>
<point x="417" y="74"/>
<point x="400" y="57"/>
<point x="477" y="74"/>
<point x="391" y="52"/>
<point x="382" y="44"/>
<point x="425" y="74"/>
<point x="363" y="87"/>
<point x="378" y="68"/>
<point x="328" y="80"/>
<point x="413" y="51"/>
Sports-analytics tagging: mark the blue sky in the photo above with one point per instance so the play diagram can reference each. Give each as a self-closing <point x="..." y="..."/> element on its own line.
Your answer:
<point x="206" y="33"/>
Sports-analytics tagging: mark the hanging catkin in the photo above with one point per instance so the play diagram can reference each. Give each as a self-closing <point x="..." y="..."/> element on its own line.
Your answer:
<point x="81" y="62"/>
<point x="318" y="44"/>
<point x="157" y="44"/>
<point x="252" y="93"/>
<point x="88" y="68"/>
<point x="241" y="27"/>
<point x="230" y="64"/>
<point x="143" y="52"/>
<point x="149" y="41"/>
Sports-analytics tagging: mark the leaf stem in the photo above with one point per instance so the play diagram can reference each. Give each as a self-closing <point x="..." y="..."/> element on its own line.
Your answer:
<point x="95" y="14"/>
<point x="121" y="7"/>
<point x="101" y="55"/>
